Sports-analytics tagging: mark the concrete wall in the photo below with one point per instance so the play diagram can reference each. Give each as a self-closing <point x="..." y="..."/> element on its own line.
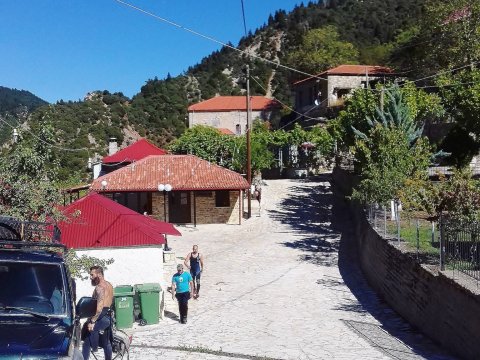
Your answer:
<point x="444" y="310"/>
<point x="225" y="120"/>
<point x="207" y="212"/>
<point x="132" y="265"/>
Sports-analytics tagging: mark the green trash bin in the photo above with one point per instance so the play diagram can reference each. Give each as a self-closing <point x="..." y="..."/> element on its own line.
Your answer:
<point x="149" y="295"/>
<point x="123" y="295"/>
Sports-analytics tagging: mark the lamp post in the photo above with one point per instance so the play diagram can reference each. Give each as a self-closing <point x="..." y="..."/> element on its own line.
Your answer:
<point x="165" y="188"/>
<point x="15" y="135"/>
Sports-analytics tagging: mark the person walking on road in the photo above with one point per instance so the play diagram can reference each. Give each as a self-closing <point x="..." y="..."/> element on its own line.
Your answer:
<point x="182" y="288"/>
<point x="194" y="262"/>
<point x="258" y="196"/>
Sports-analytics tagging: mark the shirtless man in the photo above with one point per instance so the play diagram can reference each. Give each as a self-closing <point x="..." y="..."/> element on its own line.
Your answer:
<point x="194" y="263"/>
<point x="101" y="320"/>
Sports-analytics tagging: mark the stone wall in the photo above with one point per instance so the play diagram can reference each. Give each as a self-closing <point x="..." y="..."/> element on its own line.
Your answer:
<point x="443" y="309"/>
<point x="207" y="212"/>
<point x="158" y="207"/>
<point x="225" y="119"/>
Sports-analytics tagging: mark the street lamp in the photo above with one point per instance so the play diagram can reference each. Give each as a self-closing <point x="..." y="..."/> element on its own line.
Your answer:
<point x="165" y="188"/>
<point x="15" y="135"/>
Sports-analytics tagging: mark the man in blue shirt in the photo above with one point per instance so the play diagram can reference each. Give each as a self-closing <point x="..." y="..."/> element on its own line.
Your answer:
<point x="182" y="286"/>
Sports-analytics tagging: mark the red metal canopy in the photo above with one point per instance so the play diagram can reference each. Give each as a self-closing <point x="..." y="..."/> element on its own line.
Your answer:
<point x="137" y="151"/>
<point x="98" y="222"/>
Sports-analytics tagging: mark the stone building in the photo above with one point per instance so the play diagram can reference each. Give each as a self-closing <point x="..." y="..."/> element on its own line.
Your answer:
<point x="230" y="112"/>
<point x="181" y="189"/>
<point x="314" y="96"/>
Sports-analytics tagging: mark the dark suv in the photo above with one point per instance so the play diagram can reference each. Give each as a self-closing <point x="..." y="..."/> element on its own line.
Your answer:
<point x="37" y="299"/>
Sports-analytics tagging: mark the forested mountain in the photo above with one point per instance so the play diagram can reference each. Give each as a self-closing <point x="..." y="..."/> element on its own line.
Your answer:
<point x="361" y="31"/>
<point x="15" y="106"/>
<point x="11" y="100"/>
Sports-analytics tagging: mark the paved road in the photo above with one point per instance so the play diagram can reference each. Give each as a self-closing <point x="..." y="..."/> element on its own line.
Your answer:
<point x="284" y="285"/>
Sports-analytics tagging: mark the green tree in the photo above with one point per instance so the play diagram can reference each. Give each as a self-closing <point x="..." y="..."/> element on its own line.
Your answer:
<point x="391" y="153"/>
<point x="205" y="142"/>
<point x="322" y="49"/>
<point x="461" y="96"/>
<point x="29" y="191"/>
<point x="387" y="161"/>
<point x="457" y="196"/>
<point x="452" y="30"/>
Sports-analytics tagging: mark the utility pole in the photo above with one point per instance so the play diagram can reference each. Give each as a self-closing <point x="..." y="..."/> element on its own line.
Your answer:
<point x="249" y="150"/>
<point x="382" y="96"/>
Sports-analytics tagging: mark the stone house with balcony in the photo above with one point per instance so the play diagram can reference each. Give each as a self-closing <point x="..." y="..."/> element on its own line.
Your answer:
<point x="315" y="96"/>
<point x="229" y="113"/>
<point x="200" y="192"/>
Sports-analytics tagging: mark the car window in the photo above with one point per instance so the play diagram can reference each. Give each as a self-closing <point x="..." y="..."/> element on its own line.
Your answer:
<point x="35" y="286"/>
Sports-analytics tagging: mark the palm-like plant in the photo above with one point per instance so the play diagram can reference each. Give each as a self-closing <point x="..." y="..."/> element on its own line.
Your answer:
<point x="394" y="115"/>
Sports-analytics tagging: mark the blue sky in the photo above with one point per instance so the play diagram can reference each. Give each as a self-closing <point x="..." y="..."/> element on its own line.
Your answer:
<point x="62" y="49"/>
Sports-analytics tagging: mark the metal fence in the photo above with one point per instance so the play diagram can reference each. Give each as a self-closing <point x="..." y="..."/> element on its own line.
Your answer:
<point x="451" y="244"/>
<point x="416" y="232"/>
<point x="460" y="244"/>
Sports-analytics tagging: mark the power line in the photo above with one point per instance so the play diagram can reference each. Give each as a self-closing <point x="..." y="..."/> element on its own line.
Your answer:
<point x="46" y="142"/>
<point x="303" y="115"/>
<point x="207" y="37"/>
<point x="447" y="71"/>
<point x="287" y="106"/>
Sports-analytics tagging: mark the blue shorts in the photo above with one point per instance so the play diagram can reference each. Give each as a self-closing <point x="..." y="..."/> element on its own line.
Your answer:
<point x="196" y="275"/>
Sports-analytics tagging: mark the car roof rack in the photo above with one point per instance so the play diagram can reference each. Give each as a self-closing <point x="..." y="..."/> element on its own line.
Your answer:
<point x="21" y="234"/>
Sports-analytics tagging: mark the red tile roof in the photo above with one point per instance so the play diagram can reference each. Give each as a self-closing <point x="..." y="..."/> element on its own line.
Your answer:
<point x="226" y="131"/>
<point x="138" y="150"/>
<point x="183" y="172"/>
<point x="231" y="103"/>
<point x="353" y="70"/>
<point x="104" y="223"/>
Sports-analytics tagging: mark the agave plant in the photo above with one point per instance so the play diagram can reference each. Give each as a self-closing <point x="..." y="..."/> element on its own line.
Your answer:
<point x="396" y="115"/>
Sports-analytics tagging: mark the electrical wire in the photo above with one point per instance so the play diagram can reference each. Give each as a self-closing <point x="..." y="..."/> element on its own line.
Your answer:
<point x="210" y="38"/>
<point x="447" y="71"/>
<point x="46" y="142"/>
<point x="287" y="106"/>
<point x="303" y="115"/>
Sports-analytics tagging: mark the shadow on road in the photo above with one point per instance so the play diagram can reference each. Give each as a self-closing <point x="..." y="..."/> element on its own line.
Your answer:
<point x="322" y="224"/>
<point x="308" y="213"/>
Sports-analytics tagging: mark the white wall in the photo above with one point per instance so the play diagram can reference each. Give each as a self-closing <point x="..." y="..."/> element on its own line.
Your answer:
<point x="132" y="265"/>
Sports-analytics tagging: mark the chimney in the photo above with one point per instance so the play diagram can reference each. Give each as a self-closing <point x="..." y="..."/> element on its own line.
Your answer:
<point x="112" y="146"/>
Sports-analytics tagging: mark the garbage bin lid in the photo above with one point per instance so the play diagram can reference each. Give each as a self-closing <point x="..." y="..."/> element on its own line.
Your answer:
<point x="148" y="287"/>
<point x="123" y="290"/>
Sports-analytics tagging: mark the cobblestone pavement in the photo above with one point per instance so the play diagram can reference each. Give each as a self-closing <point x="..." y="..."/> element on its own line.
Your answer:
<point x="284" y="285"/>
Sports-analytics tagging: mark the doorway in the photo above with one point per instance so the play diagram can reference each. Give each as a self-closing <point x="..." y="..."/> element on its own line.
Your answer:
<point x="180" y="210"/>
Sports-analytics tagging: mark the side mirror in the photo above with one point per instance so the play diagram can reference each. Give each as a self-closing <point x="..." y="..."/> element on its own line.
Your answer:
<point x="86" y="307"/>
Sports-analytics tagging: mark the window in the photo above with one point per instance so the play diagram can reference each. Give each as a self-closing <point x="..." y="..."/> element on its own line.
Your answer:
<point x="222" y="198"/>
<point x="238" y="129"/>
<point x="42" y="287"/>
<point x="140" y="202"/>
